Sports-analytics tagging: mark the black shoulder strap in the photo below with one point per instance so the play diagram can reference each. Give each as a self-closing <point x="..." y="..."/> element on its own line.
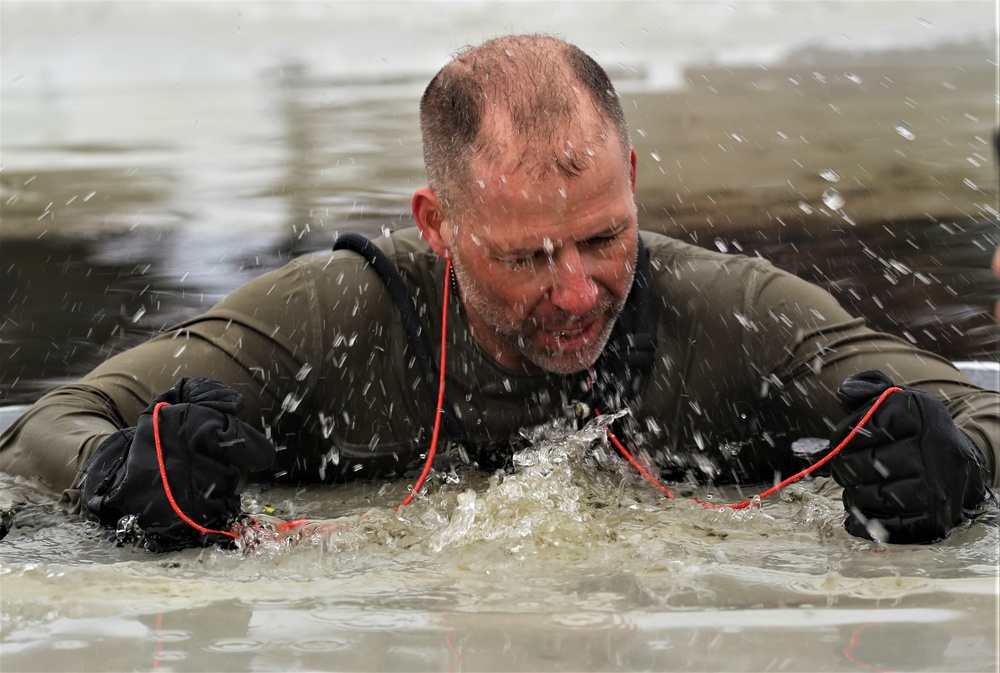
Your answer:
<point x="629" y="355"/>
<point x="389" y="274"/>
<point x="626" y="359"/>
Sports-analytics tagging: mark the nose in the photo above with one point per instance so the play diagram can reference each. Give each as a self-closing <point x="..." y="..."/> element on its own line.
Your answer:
<point x="573" y="290"/>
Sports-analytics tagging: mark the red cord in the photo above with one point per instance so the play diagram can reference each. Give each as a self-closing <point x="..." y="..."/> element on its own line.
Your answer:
<point x="634" y="463"/>
<point x="166" y="485"/>
<point x="777" y="487"/>
<point x="289" y="525"/>
<point x="437" y="429"/>
<point x="440" y="400"/>
<point x="852" y="643"/>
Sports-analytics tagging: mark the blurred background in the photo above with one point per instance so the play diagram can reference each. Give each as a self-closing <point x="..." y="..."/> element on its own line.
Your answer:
<point x="155" y="155"/>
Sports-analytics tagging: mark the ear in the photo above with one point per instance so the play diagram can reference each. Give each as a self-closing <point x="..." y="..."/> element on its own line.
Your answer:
<point x="430" y="218"/>
<point x="631" y="168"/>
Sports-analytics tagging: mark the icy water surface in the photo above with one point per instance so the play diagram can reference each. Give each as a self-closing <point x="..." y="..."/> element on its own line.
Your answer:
<point x="156" y="156"/>
<point x="569" y="563"/>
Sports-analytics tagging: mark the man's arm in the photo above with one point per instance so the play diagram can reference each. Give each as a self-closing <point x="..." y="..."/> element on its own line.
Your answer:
<point x="255" y="341"/>
<point x="921" y="464"/>
<point x="831" y="346"/>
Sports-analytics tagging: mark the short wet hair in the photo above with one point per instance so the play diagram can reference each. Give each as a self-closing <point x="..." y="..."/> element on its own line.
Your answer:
<point x="535" y="86"/>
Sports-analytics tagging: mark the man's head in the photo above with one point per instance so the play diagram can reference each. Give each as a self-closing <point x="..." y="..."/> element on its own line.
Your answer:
<point x="531" y="176"/>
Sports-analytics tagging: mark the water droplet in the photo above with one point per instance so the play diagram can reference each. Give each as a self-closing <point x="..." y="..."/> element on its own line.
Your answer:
<point x="876" y="530"/>
<point x="291" y="402"/>
<point x="177" y="353"/>
<point x="805" y="207"/>
<point x="808" y="446"/>
<point x="721" y="245"/>
<point x="833" y="199"/>
<point x="138" y="314"/>
<point x="903" y="129"/>
<point x="656" y="157"/>
<point x="304" y="372"/>
<point x="854" y="78"/>
<point x="829" y="175"/>
<point x="326" y="424"/>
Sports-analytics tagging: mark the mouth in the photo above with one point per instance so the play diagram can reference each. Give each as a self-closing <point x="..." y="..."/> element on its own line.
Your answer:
<point x="569" y="339"/>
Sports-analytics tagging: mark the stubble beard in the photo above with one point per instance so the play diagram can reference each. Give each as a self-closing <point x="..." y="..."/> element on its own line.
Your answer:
<point x="518" y="334"/>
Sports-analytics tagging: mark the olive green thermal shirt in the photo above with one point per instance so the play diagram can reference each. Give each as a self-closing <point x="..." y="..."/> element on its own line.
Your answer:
<point x="748" y="358"/>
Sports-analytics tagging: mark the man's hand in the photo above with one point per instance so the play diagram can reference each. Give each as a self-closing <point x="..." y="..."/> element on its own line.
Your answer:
<point x="910" y="475"/>
<point x="207" y="453"/>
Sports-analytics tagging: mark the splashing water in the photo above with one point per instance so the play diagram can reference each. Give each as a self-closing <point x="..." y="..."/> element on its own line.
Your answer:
<point x="833" y="199"/>
<point x="904" y="130"/>
<point x="569" y="497"/>
<point x="570" y="545"/>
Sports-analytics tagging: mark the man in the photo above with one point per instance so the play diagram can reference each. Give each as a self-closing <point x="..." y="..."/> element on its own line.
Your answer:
<point x="529" y="214"/>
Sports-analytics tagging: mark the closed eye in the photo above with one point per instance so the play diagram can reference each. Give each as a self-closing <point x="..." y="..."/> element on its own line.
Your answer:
<point x="599" y="242"/>
<point x="525" y="262"/>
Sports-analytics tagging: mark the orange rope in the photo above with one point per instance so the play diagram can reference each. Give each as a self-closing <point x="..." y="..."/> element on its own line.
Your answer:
<point x="634" y="463"/>
<point x="437" y="430"/>
<point x="777" y="487"/>
<point x="290" y="525"/>
<point x="166" y="485"/>
<point x="852" y="643"/>
<point x="440" y="400"/>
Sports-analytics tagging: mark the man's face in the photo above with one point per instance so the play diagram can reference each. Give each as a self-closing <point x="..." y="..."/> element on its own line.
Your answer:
<point x="544" y="266"/>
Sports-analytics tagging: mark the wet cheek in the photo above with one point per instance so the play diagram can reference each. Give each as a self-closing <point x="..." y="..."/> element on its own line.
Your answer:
<point x="613" y="279"/>
<point x="523" y="298"/>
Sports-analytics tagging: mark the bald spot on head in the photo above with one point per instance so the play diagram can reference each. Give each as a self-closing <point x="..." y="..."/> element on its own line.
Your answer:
<point x="530" y="103"/>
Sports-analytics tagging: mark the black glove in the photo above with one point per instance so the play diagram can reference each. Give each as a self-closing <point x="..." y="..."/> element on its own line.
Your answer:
<point x="910" y="470"/>
<point x="207" y="453"/>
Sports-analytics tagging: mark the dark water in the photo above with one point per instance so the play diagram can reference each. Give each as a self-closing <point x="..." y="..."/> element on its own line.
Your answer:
<point x="72" y="301"/>
<point x="173" y="198"/>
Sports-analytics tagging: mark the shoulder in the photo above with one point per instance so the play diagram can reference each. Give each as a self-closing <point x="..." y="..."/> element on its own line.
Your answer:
<point x="714" y="284"/>
<point x="675" y="256"/>
<point x="405" y="248"/>
<point x="345" y="271"/>
<point x="687" y="270"/>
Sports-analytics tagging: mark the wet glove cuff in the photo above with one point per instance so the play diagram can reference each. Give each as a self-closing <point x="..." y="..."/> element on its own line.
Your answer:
<point x="911" y="475"/>
<point x="206" y="453"/>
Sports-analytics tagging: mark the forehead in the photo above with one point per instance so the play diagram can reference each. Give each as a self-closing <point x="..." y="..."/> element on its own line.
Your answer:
<point x="512" y="203"/>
